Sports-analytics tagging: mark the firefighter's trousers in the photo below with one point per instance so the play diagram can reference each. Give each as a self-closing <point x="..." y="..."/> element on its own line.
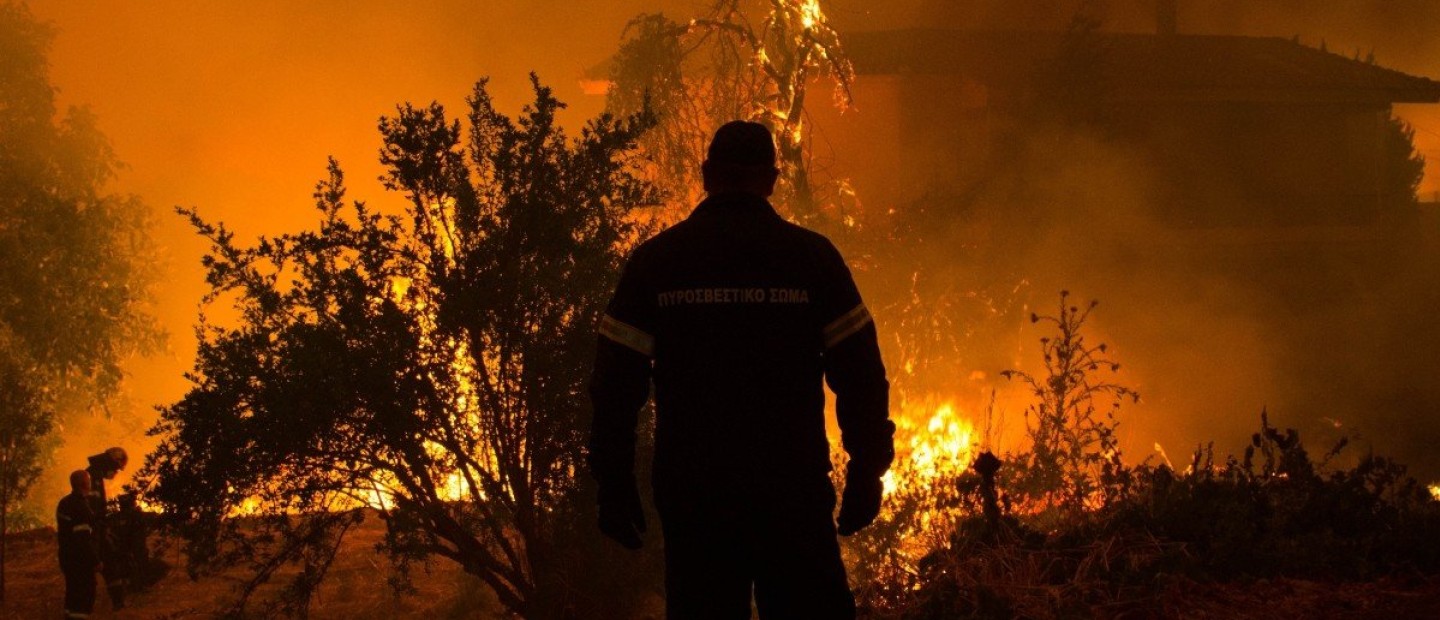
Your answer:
<point x="79" y="591"/>
<point x="779" y="543"/>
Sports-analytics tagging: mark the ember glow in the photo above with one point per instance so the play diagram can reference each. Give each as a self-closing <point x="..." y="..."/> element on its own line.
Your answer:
<point x="934" y="441"/>
<point x="810" y="14"/>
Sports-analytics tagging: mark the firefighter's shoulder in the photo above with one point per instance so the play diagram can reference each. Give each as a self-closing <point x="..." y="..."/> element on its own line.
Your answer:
<point x="672" y="236"/>
<point x="816" y="245"/>
<point x="72" y="510"/>
<point x="656" y="244"/>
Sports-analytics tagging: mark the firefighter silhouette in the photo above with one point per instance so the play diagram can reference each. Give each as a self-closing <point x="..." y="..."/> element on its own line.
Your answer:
<point x="737" y="317"/>
<point x="130" y="531"/>
<point x="103" y="467"/>
<point x="75" y="529"/>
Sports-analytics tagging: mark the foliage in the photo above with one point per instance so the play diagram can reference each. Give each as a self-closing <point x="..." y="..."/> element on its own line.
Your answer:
<point x="429" y="366"/>
<point x="1272" y="513"/>
<point x="1404" y="165"/>
<point x="1074" y="457"/>
<point x="77" y="271"/>
<point x="78" y="261"/>
<point x="1071" y="465"/>
<point x="25" y="425"/>
<point x="649" y="70"/>
<point x="728" y="65"/>
<point x="1277" y="511"/>
<point x="1127" y="537"/>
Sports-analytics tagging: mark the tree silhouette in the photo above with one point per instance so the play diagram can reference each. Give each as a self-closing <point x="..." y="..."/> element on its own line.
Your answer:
<point x="430" y="366"/>
<point x="25" y="423"/>
<point x="76" y="266"/>
<point x="1404" y="164"/>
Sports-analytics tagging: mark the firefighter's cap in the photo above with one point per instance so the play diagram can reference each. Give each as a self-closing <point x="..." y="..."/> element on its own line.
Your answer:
<point x="118" y="455"/>
<point x="79" y="480"/>
<point x="742" y="143"/>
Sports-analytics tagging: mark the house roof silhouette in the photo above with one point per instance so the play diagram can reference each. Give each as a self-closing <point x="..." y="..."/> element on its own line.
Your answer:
<point x="1143" y="67"/>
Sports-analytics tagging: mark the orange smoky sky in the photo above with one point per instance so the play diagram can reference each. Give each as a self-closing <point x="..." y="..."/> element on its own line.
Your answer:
<point x="233" y="107"/>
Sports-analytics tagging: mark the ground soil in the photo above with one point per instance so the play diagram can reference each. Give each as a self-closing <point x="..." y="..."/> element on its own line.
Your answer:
<point x="1384" y="599"/>
<point x="357" y="588"/>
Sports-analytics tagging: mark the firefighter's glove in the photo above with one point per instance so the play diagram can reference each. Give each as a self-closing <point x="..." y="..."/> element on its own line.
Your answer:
<point x="860" y="503"/>
<point x="621" y="516"/>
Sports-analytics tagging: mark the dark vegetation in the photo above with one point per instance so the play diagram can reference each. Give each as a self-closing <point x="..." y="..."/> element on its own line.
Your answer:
<point x="76" y="268"/>
<point x="431" y="366"/>
<point x="1074" y="530"/>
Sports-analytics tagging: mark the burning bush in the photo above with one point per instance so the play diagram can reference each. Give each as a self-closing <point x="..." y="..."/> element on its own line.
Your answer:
<point x="1074" y="530"/>
<point x="429" y="367"/>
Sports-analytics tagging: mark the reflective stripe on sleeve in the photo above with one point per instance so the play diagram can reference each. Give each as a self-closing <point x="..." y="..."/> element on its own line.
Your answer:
<point x="848" y="323"/>
<point x="628" y="335"/>
<point x="81" y="528"/>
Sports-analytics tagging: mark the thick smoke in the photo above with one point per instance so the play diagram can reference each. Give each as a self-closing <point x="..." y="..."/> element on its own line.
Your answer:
<point x="1335" y="338"/>
<point x="233" y="109"/>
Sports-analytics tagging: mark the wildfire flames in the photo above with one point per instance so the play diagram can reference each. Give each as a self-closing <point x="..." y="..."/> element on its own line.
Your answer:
<point x="936" y="441"/>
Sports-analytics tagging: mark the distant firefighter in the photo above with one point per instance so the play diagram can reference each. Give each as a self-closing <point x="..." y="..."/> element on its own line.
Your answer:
<point x="75" y="526"/>
<point x="130" y="530"/>
<point x="103" y="467"/>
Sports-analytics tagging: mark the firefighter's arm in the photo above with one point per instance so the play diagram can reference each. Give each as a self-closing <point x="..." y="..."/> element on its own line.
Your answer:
<point x="94" y="539"/>
<point x="619" y="387"/>
<point x="81" y="524"/>
<point x="856" y="374"/>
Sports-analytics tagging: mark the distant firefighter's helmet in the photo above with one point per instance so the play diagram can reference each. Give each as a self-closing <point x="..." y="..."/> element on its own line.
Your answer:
<point x="109" y="462"/>
<point x="119" y="456"/>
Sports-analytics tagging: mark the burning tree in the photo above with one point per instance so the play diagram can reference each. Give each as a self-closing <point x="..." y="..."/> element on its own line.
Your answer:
<point x="699" y="74"/>
<point x="429" y="366"/>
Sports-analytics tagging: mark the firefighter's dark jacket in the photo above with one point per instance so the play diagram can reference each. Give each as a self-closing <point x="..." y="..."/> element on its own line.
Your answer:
<point x="75" y="526"/>
<point x="736" y="314"/>
<point x="102" y="466"/>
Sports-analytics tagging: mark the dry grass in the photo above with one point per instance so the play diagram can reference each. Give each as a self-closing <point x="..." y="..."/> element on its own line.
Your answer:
<point x="1125" y="578"/>
<point x="1283" y="599"/>
<point x="355" y="588"/>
